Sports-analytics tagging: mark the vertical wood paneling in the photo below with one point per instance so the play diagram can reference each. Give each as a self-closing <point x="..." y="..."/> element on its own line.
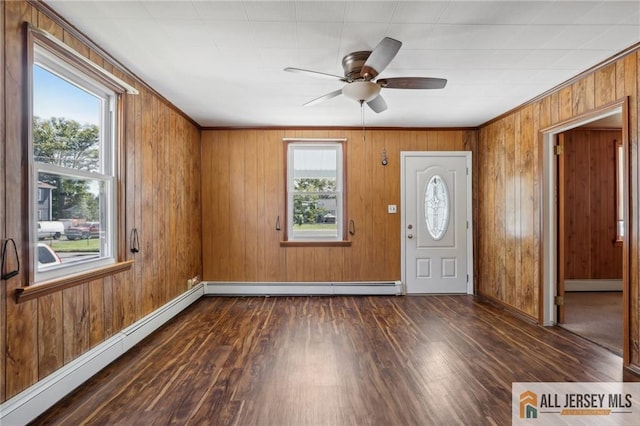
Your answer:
<point x="528" y="262"/>
<point x="107" y="302"/>
<point x="156" y="184"/>
<point x="590" y="205"/>
<point x="605" y="79"/>
<point x="21" y="351"/>
<point x="583" y="95"/>
<point x="96" y="313"/>
<point x="236" y="243"/>
<point x="601" y="87"/>
<point x="392" y="195"/>
<point x="252" y="193"/>
<point x="50" y="334"/>
<point x="145" y="227"/>
<point x="3" y="296"/>
<point x="254" y="162"/>
<point x="511" y="191"/>
<point x="134" y="146"/>
<point x="565" y="104"/>
<point x="75" y="338"/>
<point x="379" y="206"/>
<point x="275" y="259"/>
<point x="162" y="162"/>
<point x="355" y="266"/>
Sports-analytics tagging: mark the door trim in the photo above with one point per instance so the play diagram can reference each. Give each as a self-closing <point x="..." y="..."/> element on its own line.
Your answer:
<point x="549" y="216"/>
<point x="403" y="227"/>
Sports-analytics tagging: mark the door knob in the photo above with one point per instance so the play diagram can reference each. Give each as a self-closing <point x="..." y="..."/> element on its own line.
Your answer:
<point x="410" y="236"/>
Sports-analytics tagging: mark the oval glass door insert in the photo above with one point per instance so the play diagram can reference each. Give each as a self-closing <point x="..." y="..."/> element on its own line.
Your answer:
<point x="436" y="207"/>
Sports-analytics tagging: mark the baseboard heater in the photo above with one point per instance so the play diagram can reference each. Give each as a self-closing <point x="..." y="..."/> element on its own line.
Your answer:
<point x="360" y="288"/>
<point x="33" y="401"/>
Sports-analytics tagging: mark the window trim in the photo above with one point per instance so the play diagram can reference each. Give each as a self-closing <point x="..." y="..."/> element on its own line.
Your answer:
<point x="82" y="66"/>
<point x="342" y="239"/>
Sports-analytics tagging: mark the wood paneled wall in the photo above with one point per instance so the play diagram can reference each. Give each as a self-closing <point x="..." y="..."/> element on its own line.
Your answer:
<point x="243" y="195"/>
<point x="161" y="199"/>
<point x="590" y="209"/>
<point x="3" y="310"/>
<point x="509" y="215"/>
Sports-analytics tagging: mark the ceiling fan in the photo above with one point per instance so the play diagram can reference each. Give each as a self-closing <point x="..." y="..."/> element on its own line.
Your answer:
<point x="360" y="70"/>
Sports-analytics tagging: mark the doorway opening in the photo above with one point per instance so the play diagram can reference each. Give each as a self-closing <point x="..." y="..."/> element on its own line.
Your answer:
<point x="585" y="249"/>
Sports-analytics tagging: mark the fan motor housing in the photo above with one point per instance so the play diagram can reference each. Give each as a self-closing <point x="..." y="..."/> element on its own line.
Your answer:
<point x="353" y="62"/>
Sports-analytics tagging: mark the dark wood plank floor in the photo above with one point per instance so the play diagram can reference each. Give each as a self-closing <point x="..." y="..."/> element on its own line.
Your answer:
<point x="333" y="361"/>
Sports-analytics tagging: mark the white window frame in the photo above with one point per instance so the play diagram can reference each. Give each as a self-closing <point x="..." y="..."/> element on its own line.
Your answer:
<point x="107" y="173"/>
<point x="310" y="144"/>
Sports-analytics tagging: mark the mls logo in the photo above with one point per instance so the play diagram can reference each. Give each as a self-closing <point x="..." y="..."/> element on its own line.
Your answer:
<point x="528" y="405"/>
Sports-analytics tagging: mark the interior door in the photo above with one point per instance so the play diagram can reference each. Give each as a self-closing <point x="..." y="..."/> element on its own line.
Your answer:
<point x="437" y="223"/>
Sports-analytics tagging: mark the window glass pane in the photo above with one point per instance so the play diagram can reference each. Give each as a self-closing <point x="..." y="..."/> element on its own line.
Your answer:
<point x="66" y="123"/>
<point x="315" y="163"/>
<point x="436" y="207"/>
<point x="78" y="207"/>
<point x="314" y="216"/>
<point x="314" y="184"/>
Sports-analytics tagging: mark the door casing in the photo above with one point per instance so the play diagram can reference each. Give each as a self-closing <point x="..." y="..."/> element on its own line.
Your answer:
<point x="549" y="216"/>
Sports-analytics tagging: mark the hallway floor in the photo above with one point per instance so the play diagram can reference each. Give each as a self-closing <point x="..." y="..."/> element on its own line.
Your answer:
<point x="596" y="316"/>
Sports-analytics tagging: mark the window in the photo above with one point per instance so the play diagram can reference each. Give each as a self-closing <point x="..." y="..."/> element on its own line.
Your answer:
<point x="315" y="191"/>
<point x="73" y="153"/>
<point x="436" y="207"/>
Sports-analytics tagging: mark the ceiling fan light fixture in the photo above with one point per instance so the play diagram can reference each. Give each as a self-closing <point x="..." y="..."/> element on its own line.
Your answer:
<point x="361" y="91"/>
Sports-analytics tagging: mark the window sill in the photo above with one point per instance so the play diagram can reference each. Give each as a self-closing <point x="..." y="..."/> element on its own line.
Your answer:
<point x="343" y="243"/>
<point x="47" y="287"/>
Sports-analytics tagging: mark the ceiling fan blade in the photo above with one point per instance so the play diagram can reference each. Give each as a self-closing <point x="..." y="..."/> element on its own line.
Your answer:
<point x="314" y="73"/>
<point x="324" y="97"/>
<point x="380" y="57"/>
<point x="377" y="104"/>
<point x="412" y="83"/>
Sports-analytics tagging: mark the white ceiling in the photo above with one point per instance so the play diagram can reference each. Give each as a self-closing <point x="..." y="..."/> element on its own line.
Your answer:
<point x="221" y="62"/>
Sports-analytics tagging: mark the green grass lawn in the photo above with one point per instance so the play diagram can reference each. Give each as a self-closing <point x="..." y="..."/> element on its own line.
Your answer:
<point x="312" y="226"/>
<point x="73" y="246"/>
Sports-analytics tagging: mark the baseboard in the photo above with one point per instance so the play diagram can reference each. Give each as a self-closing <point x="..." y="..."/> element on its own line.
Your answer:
<point x="593" y="285"/>
<point x="373" y="288"/>
<point x="512" y="310"/>
<point x="30" y="403"/>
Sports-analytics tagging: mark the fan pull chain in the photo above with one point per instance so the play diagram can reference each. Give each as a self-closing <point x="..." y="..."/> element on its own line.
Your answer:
<point x="362" y="121"/>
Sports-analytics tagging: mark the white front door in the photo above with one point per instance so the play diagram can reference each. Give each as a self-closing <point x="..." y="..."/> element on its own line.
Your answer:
<point x="437" y="226"/>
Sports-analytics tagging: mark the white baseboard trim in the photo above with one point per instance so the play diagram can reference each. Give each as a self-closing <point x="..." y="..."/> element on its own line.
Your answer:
<point x="33" y="401"/>
<point x="374" y="288"/>
<point x="592" y="285"/>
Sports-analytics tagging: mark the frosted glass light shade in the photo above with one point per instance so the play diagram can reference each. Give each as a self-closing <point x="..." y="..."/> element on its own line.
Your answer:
<point x="364" y="91"/>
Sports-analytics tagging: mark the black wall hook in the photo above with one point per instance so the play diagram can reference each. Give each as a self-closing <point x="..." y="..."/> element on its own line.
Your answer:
<point x="134" y="241"/>
<point x="9" y="274"/>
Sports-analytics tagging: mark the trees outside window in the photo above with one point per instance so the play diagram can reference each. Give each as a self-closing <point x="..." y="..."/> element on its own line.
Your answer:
<point x="73" y="152"/>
